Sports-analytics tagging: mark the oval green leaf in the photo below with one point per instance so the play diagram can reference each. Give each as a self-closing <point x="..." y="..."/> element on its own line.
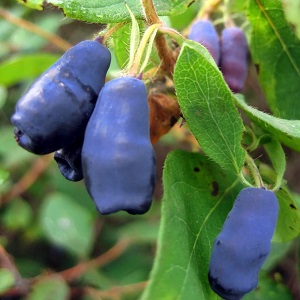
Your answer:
<point x="49" y="288"/>
<point x="208" y="107"/>
<point x="113" y="11"/>
<point x="7" y="280"/>
<point x="24" y="67"/>
<point x="276" y="49"/>
<point x="67" y="224"/>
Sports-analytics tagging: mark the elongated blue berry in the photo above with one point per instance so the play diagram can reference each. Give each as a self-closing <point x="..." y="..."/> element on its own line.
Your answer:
<point x="55" y="109"/>
<point x="204" y="32"/>
<point x="233" y="61"/>
<point x="244" y="243"/>
<point x="118" y="160"/>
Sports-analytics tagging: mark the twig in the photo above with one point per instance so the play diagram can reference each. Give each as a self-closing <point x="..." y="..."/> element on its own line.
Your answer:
<point x="150" y="12"/>
<point x="52" y="38"/>
<point x="21" y="285"/>
<point x="116" y="291"/>
<point x="113" y="253"/>
<point x="37" y="168"/>
<point x="164" y="52"/>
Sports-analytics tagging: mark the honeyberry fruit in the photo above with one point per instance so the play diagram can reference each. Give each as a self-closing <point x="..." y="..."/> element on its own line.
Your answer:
<point x="244" y="243"/>
<point x="233" y="61"/>
<point x="118" y="160"/>
<point x="69" y="161"/>
<point x="56" y="107"/>
<point x="204" y="32"/>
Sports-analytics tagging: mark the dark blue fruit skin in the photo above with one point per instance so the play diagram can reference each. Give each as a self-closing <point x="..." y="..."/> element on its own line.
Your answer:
<point x="204" y="32"/>
<point x="57" y="106"/>
<point x="244" y="243"/>
<point x="118" y="160"/>
<point x="69" y="160"/>
<point x="233" y="61"/>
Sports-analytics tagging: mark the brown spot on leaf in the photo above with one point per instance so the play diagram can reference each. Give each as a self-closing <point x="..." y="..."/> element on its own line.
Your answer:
<point x="215" y="188"/>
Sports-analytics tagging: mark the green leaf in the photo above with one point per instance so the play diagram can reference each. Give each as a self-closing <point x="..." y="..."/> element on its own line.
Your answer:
<point x="288" y="224"/>
<point x="134" y="36"/>
<point x="11" y="154"/>
<point x="7" y="280"/>
<point x="35" y="4"/>
<point x="277" y="157"/>
<point x="148" y="51"/>
<point x="275" y="48"/>
<point x="198" y="195"/>
<point x="3" y="95"/>
<point x="25" y="67"/>
<point x="29" y="266"/>
<point x="183" y="20"/>
<point x="3" y="176"/>
<point x="121" y="40"/>
<point x="113" y="11"/>
<point x="291" y="9"/>
<point x="140" y="231"/>
<point x="286" y="131"/>
<point x="207" y="106"/>
<point x="67" y="224"/>
<point x="17" y="215"/>
<point x="131" y="267"/>
<point x="49" y="288"/>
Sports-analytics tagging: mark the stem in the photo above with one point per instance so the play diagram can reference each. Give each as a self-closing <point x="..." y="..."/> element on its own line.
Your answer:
<point x="228" y="22"/>
<point x="113" y="253"/>
<point x="150" y="12"/>
<point x="164" y="52"/>
<point x="204" y="14"/>
<point x="142" y="46"/>
<point x="255" y="141"/>
<point x="111" y="31"/>
<point x="116" y="292"/>
<point x="172" y="33"/>
<point x="52" y="38"/>
<point x="37" y="168"/>
<point x="244" y="180"/>
<point x="254" y="171"/>
<point x="6" y="262"/>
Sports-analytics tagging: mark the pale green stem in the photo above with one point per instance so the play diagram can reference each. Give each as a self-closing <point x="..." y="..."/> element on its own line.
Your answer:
<point x="227" y="18"/>
<point x="244" y="180"/>
<point x="111" y="31"/>
<point x="254" y="171"/>
<point x="143" y="44"/>
<point x="172" y="33"/>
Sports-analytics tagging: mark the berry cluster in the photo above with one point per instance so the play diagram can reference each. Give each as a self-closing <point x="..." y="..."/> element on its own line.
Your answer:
<point x="99" y="132"/>
<point x="244" y="243"/>
<point x="229" y="52"/>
